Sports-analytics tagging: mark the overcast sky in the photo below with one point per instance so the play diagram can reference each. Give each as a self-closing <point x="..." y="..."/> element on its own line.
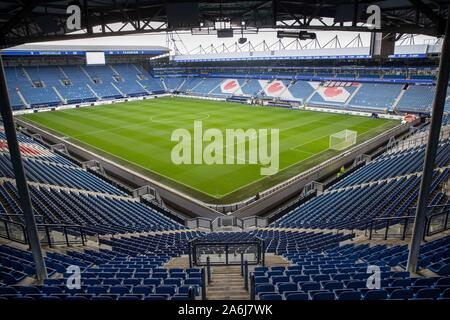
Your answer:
<point x="185" y="41"/>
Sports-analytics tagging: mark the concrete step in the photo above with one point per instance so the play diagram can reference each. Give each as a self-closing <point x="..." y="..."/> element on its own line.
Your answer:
<point x="274" y="260"/>
<point x="217" y="290"/>
<point x="230" y="297"/>
<point x="225" y="276"/>
<point x="226" y="284"/>
<point x="216" y="280"/>
<point x="223" y="284"/>
<point x="178" y="262"/>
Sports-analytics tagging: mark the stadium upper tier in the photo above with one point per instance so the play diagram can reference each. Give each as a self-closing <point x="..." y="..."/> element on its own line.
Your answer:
<point x="31" y="87"/>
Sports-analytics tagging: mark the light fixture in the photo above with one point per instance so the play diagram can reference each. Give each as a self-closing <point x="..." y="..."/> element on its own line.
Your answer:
<point x="302" y="35"/>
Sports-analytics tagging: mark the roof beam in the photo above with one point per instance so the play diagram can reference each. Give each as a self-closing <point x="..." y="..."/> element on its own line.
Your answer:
<point x="429" y="13"/>
<point x="23" y="13"/>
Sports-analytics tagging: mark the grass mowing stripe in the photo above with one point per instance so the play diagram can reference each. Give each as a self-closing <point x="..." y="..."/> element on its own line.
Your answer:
<point x="138" y="134"/>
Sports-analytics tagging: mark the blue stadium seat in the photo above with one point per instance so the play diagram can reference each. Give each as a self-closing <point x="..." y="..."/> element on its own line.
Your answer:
<point x="297" y="296"/>
<point x="376" y="295"/>
<point x="402" y="294"/>
<point x="349" y="295"/>
<point x="270" y="296"/>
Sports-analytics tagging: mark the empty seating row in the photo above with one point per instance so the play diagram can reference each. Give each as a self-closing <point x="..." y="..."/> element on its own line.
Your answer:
<point x="333" y="208"/>
<point x="343" y="273"/>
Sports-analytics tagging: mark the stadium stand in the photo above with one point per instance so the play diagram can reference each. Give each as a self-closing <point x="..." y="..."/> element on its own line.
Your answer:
<point x="173" y="83"/>
<point x="395" y="164"/>
<point x="251" y="87"/>
<point x="79" y="90"/>
<point x="333" y="210"/>
<point x="71" y="84"/>
<point x="64" y="193"/>
<point x="416" y="99"/>
<point x="190" y="83"/>
<point x="333" y="95"/>
<point x="55" y="85"/>
<point x="317" y="239"/>
<point x="376" y="96"/>
<point x="207" y="85"/>
<point x="340" y="273"/>
<point x="127" y="76"/>
<point x="302" y="90"/>
<point x="35" y="92"/>
<point x="101" y="80"/>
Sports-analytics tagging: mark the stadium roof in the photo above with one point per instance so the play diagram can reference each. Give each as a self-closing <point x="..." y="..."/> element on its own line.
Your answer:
<point x="38" y="47"/>
<point x="34" y="20"/>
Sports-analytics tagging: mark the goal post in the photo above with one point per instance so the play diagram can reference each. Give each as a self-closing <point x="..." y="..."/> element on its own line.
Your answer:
<point x="343" y="139"/>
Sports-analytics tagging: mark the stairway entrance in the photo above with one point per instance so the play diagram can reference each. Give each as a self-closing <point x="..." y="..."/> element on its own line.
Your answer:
<point x="226" y="283"/>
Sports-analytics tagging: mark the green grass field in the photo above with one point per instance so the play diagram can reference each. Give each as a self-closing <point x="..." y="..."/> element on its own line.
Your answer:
<point x="138" y="134"/>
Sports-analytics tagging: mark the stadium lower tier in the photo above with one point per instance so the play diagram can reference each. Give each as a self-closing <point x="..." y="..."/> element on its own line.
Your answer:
<point x="31" y="87"/>
<point x="341" y="273"/>
<point x="318" y="270"/>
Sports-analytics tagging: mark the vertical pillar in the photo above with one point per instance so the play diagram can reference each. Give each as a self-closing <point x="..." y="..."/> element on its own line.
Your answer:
<point x="21" y="182"/>
<point x="430" y="154"/>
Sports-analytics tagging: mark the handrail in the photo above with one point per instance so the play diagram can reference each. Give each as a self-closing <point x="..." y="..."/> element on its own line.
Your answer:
<point x="240" y="223"/>
<point x="392" y="218"/>
<point x="445" y="225"/>
<point x="71" y="233"/>
<point x="196" y="249"/>
<point x="420" y="140"/>
<point x="435" y="222"/>
<point x="7" y="232"/>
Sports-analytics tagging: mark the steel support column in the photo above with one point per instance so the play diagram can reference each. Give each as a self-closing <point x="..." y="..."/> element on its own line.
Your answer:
<point x="431" y="150"/>
<point x="21" y="182"/>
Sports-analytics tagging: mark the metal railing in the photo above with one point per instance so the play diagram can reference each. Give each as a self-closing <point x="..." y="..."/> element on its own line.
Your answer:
<point x="401" y="227"/>
<point x="391" y="227"/>
<point x="438" y="220"/>
<point x="199" y="223"/>
<point x="51" y="235"/>
<point x="419" y="138"/>
<point x="220" y="222"/>
<point x="13" y="231"/>
<point x="209" y="253"/>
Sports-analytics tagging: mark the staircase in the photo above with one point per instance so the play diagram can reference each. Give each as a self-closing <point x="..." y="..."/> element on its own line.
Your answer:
<point x="354" y="93"/>
<point x="27" y="76"/>
<point x="226" y="284"/>
<point x="87" y="74"/>
<point x="118" y="90"/>
<point x="22" y="98"/>
<point x="397" y="100"/>
<point x="92" y="90"/>
<point x="63" y="100"/>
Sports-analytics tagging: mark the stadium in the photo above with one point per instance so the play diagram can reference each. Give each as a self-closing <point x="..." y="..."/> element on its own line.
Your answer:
<point x="292" y="170"/>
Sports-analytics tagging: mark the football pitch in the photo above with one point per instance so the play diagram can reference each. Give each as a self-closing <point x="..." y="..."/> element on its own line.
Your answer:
<point x="137" y="134"/>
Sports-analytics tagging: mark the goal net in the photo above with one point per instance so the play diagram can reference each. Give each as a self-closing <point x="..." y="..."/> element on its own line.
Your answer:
<point x="343" y="139"/>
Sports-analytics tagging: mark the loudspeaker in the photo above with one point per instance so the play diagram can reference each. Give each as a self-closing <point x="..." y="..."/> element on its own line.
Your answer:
<point x="47" y="24"/>
<point x="346" y="12"/>
<point x="225" y="33"/>
<point x="182" y="15"/>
